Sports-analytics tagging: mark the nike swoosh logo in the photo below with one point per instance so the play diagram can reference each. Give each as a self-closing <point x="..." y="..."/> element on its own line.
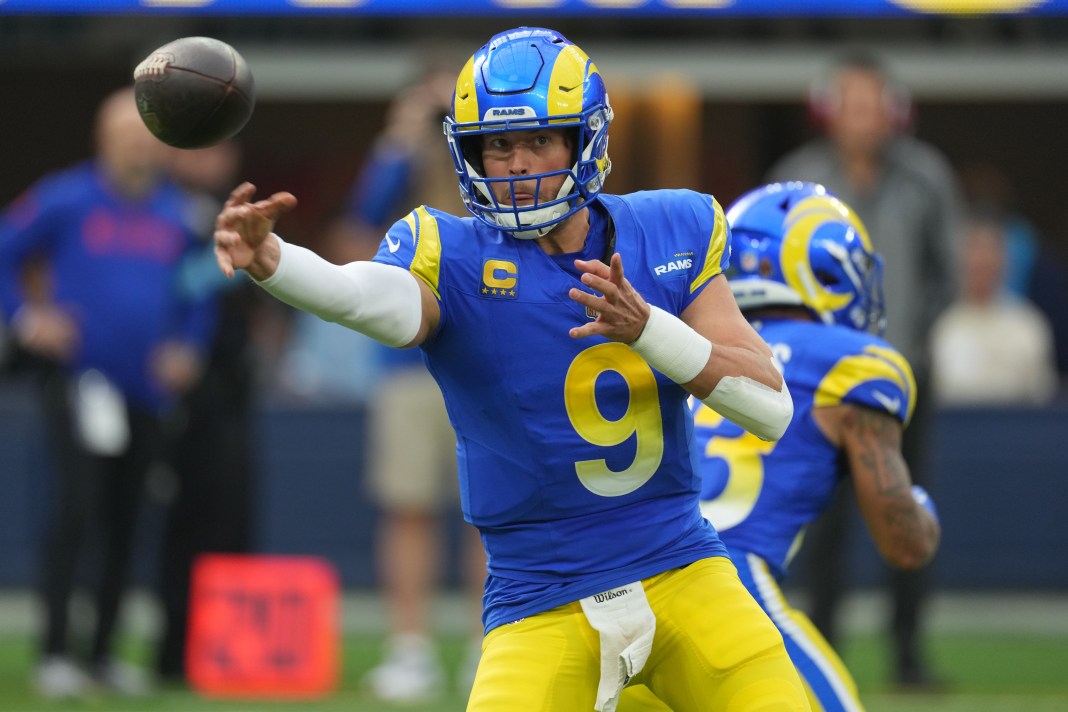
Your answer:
<point x="891" y="404"/>
<point x="394" y="245"/>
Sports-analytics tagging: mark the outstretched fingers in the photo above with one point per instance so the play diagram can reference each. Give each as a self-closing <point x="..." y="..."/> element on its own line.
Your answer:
<point x="596" y="275"/>
<point x="594" y="267"/>
<point x="590" y="301"/>
<point x="608" y="279"/>
<point x="620" y="311"/>
<point x="616" y="269"/>
<point x="222" y="258"/>
<point x="241" y="194"/>
<point x="272" y="207"/>
<point x="236" y="208"/>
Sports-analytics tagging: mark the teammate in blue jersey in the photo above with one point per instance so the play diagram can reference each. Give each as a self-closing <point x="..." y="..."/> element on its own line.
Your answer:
<point x="805" y="275"/>
<point x="566" y="329"/>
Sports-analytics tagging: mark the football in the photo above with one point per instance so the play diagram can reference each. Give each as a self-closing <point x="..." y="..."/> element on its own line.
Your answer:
<point x="194" y="92"/>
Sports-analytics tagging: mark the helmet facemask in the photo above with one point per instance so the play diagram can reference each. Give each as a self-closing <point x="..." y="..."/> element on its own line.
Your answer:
<point x="534" y="61"/>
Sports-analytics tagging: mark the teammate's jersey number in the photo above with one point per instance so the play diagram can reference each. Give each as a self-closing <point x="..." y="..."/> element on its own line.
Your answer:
<point x="744" y="456"/>
<point x="641" y="418"/>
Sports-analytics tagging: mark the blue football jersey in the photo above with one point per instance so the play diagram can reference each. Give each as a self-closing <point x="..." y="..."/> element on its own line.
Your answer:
<point x="761" y="495"/>
<point x="574" y="455"/>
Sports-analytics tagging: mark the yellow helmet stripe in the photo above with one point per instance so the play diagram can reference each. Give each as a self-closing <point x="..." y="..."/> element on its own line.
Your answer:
<point x="567" y="81"/>
<point x="426" y="264"/>
<point x="716" y="245"/>
<point x="855" y="222"/>
<point x="465" y="103"/>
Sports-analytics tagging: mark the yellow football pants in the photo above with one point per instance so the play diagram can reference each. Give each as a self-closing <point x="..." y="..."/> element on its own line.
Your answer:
<point x="714" y="649"/>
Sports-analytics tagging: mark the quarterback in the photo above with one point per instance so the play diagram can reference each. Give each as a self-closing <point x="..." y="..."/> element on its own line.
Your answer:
<point x="567" y="328"/>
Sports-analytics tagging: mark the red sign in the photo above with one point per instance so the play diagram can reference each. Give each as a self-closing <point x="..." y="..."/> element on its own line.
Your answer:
<point x="263" y="626"/>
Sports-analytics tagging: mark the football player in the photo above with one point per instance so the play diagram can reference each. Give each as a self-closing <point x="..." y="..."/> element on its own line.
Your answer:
<point x="804" y="273"/>
<point x="566" y="328"/>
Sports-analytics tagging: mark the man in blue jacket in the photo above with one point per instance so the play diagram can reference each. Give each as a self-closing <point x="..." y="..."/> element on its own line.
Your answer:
<point x="118" y="344"/>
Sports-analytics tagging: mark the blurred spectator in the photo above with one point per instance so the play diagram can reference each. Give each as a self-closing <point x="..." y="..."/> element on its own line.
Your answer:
<point x="210" y="434"/>
<point x="116" y="345"/>
<point x="907" y="194"/>
<point x="990" y="346"/>
<point x="412" y="480"/>
<point x="1035" y="267"/>
<point x="984" y="184"/>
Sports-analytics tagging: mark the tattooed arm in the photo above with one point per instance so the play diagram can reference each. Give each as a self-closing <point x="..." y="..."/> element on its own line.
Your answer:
<point x="905" y="532"/>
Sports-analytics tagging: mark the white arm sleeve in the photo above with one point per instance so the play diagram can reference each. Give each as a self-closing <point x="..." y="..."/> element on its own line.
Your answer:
<point x="382" y="301"/>
<point x="672" y="347"/>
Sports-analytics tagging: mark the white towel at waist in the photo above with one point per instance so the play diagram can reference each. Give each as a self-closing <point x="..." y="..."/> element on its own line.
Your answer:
<point x="627" y="626"/>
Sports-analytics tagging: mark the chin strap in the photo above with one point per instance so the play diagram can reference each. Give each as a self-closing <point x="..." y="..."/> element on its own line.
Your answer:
<point x="514" y="223"/>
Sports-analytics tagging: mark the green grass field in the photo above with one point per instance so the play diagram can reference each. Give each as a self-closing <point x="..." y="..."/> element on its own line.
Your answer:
<point x="986" y="672"/>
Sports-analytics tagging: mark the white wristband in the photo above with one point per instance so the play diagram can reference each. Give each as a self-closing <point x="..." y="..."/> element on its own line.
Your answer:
<point x="672" y="347"/>
<point x="380" y="300"/>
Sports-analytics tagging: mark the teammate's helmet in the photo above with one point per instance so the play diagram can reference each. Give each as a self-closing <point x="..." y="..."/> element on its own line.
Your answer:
<point x="796" y="244"/>
<point x="526" y="78"/>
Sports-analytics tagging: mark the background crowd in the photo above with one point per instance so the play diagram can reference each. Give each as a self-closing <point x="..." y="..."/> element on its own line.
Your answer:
<point x="976" y="294"/>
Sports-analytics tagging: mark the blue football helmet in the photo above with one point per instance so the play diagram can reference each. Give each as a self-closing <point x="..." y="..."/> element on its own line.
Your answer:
<point x="522" y="79"/>
<point x="796" y="244"/>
